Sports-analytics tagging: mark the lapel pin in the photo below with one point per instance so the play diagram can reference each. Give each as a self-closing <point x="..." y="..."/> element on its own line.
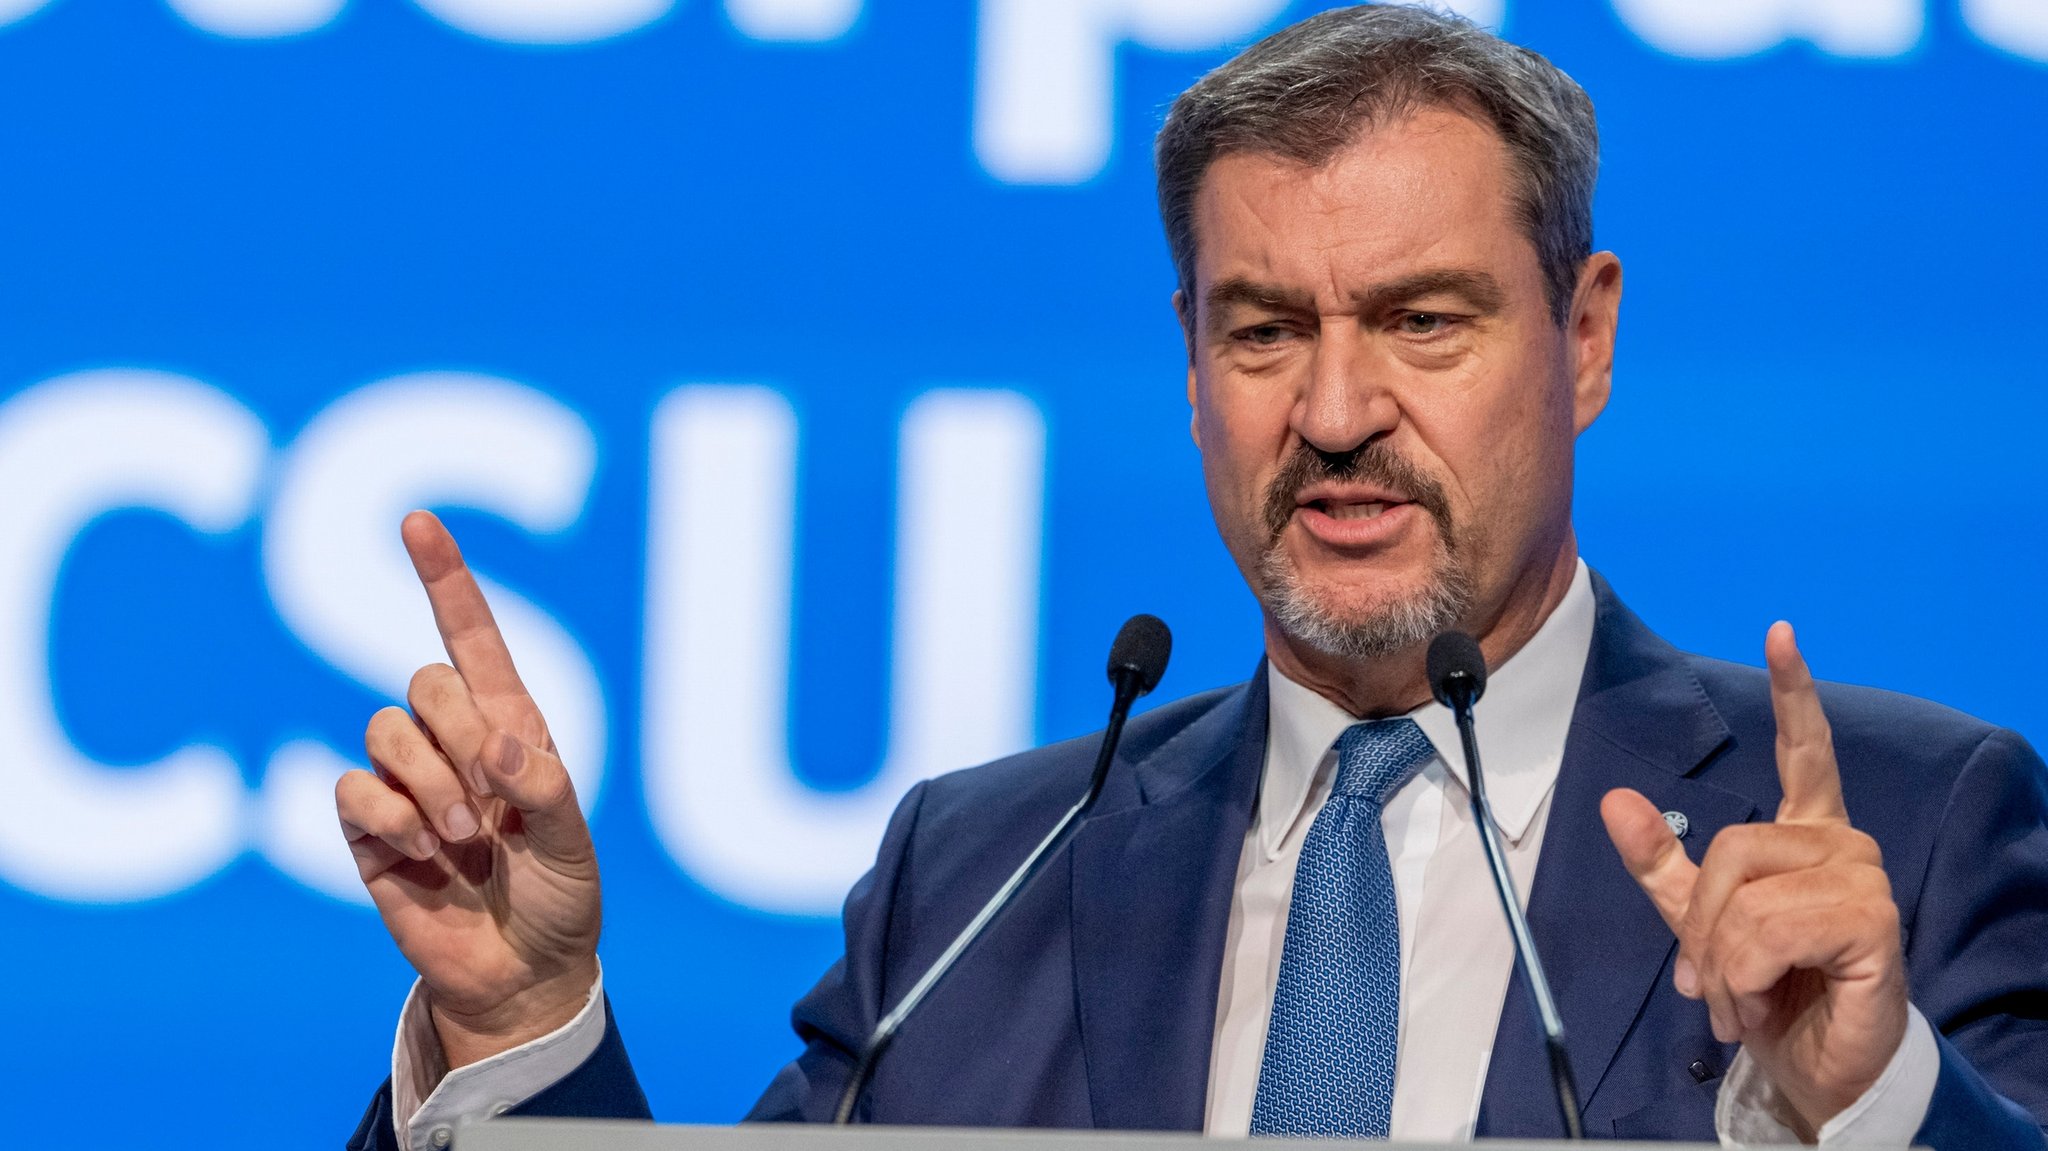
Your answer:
<point x="1676" y="821"/>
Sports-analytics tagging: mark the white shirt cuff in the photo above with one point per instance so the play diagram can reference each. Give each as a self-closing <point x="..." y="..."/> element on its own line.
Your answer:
<point x="485" y="1088"/>
<point x="1749" y="1112"/>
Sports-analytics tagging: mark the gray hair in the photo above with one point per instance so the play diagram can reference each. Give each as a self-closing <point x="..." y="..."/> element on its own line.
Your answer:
<point x="1310" y="89"/>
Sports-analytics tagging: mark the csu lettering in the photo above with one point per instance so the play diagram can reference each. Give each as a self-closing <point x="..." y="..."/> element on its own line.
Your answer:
<point x="723" y="795"/>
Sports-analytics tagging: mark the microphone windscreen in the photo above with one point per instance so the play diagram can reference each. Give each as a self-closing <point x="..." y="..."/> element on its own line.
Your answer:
<point x="1141" y="648"/>
<point x="1454" y="656"/>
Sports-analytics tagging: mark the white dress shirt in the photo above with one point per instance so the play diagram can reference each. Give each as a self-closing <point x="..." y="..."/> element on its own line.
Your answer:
<point x="1456" y="954"/>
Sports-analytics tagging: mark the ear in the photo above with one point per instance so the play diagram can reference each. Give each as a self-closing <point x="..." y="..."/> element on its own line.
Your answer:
<point x="1589" y="337"/>
<point x="1185" y="312"/>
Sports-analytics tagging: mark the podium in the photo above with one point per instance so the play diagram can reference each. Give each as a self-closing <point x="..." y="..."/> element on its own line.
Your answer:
<point x="615" y="1135"/>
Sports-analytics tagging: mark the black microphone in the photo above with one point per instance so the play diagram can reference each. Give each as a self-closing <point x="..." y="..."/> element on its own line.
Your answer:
<point x="1457" y="677"/>
<point x="1136" y="661"/>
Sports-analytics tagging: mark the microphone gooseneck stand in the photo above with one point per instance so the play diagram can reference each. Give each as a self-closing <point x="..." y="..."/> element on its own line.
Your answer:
<point x="1136" y="661"/>
<point x="1457" y="676"/>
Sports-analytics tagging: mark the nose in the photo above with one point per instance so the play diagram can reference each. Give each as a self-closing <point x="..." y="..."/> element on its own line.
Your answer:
<point x="1345" y="402"/>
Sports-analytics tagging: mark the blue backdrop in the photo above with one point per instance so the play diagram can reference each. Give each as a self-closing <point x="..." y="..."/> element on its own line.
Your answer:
<point x="756" y="349"/>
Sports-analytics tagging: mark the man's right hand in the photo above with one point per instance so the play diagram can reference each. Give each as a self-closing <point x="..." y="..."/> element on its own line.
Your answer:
<point x="468" y="836"/>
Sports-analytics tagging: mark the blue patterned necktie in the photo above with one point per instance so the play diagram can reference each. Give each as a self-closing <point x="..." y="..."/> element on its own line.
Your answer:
<point x="1329" y="1065"/>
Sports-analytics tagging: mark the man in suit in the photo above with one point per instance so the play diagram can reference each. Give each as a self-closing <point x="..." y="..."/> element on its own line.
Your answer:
<point x="1277" y="919"/>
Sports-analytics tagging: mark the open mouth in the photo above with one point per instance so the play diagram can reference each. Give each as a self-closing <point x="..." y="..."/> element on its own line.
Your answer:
<point x="1353" y="510"/>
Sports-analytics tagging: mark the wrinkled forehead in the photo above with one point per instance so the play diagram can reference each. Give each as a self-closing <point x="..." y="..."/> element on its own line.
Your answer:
<point x="1433" y="186"/>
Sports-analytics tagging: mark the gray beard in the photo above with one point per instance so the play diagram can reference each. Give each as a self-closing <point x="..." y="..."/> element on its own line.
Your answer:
<point x="1391" y="628"/>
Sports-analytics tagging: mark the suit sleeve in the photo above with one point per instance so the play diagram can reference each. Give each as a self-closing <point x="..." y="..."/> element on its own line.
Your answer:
<point x="836" y="1017"/>
<point x="1978" y="954"/>
<point x="603" y="1086"/>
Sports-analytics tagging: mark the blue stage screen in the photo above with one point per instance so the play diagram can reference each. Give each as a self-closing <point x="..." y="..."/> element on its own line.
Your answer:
<point x="801" y="376"/>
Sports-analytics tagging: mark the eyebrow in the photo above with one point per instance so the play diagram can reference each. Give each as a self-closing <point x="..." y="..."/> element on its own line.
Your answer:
<point x="1478" y="289"/>
<point x="1238" y="290"/>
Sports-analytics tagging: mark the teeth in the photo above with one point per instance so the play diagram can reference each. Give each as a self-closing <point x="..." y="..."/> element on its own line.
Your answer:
<point x="1357" y="511"/>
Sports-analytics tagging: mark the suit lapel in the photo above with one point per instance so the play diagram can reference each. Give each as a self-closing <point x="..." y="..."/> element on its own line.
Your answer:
<point x="1642" y="721"/>
<point x="1153" y="876"/>
<point x="1154" y="871"/>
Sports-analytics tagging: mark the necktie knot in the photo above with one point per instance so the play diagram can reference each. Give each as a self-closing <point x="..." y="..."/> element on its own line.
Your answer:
<point x="1376" y="757"/>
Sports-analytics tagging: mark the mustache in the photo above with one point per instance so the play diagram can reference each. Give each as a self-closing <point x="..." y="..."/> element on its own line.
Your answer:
<point x="1371" y="462"/>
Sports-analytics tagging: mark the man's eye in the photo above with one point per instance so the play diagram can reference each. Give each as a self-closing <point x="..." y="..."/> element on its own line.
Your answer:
<point x="1265" y="335"/>
<point x="1424" y="323"/>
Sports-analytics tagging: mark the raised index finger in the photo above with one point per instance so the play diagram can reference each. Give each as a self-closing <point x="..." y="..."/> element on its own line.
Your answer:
<point x="1807" y="770"/>
<point x="468" y="630"/>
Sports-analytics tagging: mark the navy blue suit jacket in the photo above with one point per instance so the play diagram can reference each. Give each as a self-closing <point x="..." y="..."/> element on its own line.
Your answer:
<point x="1091" y="1004"/>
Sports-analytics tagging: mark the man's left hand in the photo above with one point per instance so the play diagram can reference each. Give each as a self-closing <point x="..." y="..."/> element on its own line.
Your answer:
<point x="1786" y="929"/>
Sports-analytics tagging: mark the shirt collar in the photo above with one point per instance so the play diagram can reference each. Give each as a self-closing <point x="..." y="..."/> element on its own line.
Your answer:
<point x="1522" y="723"/>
